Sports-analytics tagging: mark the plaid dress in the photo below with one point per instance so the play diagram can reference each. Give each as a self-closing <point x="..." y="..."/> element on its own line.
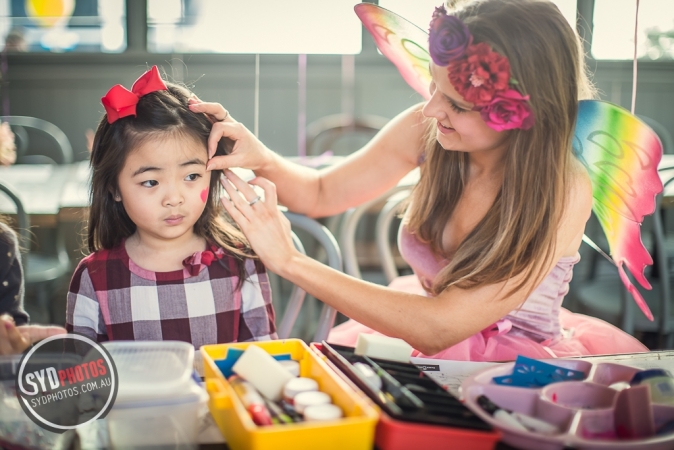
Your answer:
<point x="111" y="298"/>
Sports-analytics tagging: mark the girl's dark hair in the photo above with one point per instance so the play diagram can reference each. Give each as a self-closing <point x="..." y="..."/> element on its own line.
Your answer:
<point x="158" y="114"/>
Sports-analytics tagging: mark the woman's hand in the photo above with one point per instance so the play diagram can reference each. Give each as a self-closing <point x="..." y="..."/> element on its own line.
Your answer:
<point x="266" y="228"/>
<point x="14" y="340"/>
<point x="248" y="151"/>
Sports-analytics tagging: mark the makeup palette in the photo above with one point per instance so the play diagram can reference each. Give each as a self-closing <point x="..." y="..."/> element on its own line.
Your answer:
<point x="417" y="412"/>
<point x="595" y="410"/>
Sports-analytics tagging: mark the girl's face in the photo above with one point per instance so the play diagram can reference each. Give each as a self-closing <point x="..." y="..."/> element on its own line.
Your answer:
<point x="164" y="186"/>
<point x="458" y="126"/>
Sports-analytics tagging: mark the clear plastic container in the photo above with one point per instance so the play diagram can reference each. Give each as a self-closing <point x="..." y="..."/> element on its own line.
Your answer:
<point x="17" y="430"/>
<point x="158" y="402"/>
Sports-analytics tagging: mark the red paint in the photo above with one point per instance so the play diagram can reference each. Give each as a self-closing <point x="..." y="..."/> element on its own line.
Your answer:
<point x="204" y="195"/>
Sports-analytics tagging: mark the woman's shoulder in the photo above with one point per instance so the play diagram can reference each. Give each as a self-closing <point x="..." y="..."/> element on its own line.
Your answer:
<point x="406" y="132"/>
<point x="579" y="190"/>
<point x="579" y="179"/>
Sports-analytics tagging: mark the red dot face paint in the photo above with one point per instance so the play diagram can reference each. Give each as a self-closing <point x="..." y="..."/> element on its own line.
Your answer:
<point x="204" y="195"/>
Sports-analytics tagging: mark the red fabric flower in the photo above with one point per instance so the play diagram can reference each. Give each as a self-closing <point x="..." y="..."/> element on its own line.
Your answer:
<point x="480" y="75"/>
<point x="207" y="257"/>
<point x="199" y="260"/>
<point x="507" y="111"/>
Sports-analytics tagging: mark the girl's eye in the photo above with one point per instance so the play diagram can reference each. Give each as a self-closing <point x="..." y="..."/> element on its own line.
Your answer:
<point x="149" y="183"/>
<point x="455" y="107"/>
<point x="192" y="177"/>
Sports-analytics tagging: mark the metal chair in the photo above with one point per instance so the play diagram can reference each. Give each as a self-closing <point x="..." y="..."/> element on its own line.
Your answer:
<point x="386" y="207"/>
<point x="40" y="269"/>
<point x="296" y="299"/>
<point x="20" y="124"/>
<point x="604" y="296"/>
<point x="324" y="133"/>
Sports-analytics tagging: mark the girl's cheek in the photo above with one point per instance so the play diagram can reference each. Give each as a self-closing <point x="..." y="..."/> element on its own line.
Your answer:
<point x="204" y="195"/>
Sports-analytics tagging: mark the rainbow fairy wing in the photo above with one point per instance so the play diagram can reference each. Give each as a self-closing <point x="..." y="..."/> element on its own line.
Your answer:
<point x="402" y="42"/>
<point x="621" y="154"/>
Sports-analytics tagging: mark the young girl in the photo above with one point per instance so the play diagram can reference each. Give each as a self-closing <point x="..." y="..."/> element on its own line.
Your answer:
<point x="493" y="228"/>
<point x="165" y="262"/>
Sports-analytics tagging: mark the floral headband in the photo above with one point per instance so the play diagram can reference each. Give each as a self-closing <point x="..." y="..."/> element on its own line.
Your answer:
<point x="479" y="74"/>
<point x="120" y="102"/>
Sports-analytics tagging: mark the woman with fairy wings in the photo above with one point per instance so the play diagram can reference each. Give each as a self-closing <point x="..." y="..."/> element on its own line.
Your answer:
<point x="492" y="229"/>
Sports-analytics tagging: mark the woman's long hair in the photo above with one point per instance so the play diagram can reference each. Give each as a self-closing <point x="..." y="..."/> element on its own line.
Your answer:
<point x="160" y="114"/>
<point x="518" y="233"/>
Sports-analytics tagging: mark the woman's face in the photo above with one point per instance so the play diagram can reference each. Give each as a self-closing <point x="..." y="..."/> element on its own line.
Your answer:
<point x="458" y="126"/>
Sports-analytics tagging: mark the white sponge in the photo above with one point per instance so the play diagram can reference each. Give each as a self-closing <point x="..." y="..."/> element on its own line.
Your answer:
<point x="383" y="347"/>
<point x="262" y="371"/>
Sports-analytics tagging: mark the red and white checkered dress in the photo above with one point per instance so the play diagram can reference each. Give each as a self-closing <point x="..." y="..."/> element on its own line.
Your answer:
<point x="111" y="298"/>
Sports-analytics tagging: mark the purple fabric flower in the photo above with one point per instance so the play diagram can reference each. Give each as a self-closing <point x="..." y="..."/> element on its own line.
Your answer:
<point x="448" y="37"/>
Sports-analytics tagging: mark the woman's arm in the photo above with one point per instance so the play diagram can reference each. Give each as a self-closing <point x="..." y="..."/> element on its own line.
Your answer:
<point x="364" y="175"/>
<point x="428" y="324"/>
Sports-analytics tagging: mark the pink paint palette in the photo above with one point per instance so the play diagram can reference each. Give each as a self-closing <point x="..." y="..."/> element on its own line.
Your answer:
<point x="583" y="411"/>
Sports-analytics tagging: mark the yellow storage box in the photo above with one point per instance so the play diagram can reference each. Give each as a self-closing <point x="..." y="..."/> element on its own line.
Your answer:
<point x="354" y="431"/>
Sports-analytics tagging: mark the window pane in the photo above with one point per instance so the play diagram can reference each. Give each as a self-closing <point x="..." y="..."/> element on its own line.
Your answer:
<point x="63" y="25"/>
<point x="253" y="26"/>
<point x="419" y="12"/>
<point x="613" y="35"/>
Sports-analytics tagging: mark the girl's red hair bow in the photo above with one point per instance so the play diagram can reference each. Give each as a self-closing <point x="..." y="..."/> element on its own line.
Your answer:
<point x="120" y="102"/>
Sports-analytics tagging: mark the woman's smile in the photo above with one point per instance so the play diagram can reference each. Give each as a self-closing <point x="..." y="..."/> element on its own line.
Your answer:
<point x="445" y="130"/>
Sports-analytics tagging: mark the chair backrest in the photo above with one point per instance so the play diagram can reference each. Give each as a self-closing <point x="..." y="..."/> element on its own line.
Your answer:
<point x="323" y="134"/>
<point x="20" y="123"/>
<point x="329" y="243"/>
<point x="22" y="217"/>
<point x="347" y="236"/>
<point x="662" y="261"/>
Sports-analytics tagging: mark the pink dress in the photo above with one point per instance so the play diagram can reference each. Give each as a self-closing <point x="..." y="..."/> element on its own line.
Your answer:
<point x="540" y="328"/>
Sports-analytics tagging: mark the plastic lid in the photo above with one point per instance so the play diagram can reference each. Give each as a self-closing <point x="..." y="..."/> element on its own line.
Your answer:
<point x="298" y="385"/>
<point x="291" y="366"/>
<point x="152" y="370"/>
<point x="322" y="412"/>
<point x="639" y="377"/>
<point x="191" y="393"/>
<point x="306" y="399"/>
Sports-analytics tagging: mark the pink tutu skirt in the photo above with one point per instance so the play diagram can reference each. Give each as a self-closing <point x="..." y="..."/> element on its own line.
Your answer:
<point x="584" y="335"/>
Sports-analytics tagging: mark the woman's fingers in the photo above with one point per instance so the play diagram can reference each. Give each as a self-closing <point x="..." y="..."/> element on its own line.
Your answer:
<point x="232" y="130"/>
<point x="240" y="200"/>
<point x="234" y="213"/>
<point x="246" y="190"/>
<point x="269" y="189"/>
<point x="213" y="110"/>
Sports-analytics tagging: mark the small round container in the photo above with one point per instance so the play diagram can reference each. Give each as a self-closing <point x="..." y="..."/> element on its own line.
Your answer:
<point x="661" y="384"/>
<point x="322" y="412"/>
<point x="306" y="399"/>
<point x="292" y="366"/>
<point x="296" y="386"/>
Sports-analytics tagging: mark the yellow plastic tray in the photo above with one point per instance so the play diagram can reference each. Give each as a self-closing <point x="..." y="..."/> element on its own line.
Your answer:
<point x="354" y="431"/>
